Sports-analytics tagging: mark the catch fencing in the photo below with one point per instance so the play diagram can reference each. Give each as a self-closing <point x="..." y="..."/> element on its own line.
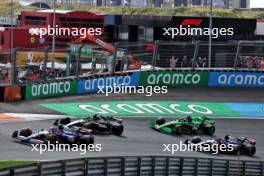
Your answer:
<point x="140" y="165"/>
<point x="234" y="55"/>
<point x="74" y="61"/>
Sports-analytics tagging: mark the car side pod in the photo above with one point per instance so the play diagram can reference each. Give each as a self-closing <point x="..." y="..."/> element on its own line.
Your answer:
<point x="15" y="134"/>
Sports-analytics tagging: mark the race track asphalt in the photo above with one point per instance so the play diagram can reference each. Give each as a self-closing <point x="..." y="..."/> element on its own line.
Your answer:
<point x="138" y="138"/>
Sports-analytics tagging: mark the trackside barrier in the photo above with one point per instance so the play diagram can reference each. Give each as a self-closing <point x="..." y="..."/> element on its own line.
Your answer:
<point x="203" y="77"/>
<point x="169" y="77"/>
<point x="12" y="93"/>
<point x="139" y="165"/>
<point x="62" y="87"/>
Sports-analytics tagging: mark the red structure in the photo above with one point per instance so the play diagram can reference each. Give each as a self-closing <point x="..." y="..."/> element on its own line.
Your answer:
<point x="43" y="19"/>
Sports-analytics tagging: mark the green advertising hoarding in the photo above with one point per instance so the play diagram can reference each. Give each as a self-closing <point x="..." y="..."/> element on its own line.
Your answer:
<point x="36" y="91"/>
<point x="173" y="78"/>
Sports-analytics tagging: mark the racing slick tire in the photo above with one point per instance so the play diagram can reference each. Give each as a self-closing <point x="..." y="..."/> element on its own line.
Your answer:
<point x="251" y="150"/>
<point x="51" y="138"/>
<point x="86" y="139"/>
<point x="15" y="134"/>
<point x="65" y="121"/>
<point x="181" y="130"/>
<point x="117" y="130"/>
<point x="160" y="121"/>
<point x="25" y="132"/>
<point x="210" y="130"/>
<point x="196" y="140"/>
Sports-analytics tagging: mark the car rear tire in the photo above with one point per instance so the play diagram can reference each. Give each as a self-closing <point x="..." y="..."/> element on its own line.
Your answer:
<point x="251" y="150"/>
<point x="15" y="134"/>
<point x="117" y="130"/>
<point x="182" y="130"/>
<point x="51" y="138"/>
<point x="65" y="121"/>
<point x="86" y="139"/>
<point x="210" y="130"/>
<point x="196" y="140"/>
<point x="25" y="132"/>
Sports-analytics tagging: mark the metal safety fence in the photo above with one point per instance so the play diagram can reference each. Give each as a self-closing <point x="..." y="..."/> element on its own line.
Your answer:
<point x="75" y="60"/>
<point x="140" y="165"/>
<point x="235" y="55"/>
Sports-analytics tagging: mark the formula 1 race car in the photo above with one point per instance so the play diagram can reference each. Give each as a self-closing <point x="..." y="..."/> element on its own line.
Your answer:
<point x="96" y="124"/>
<point x="54" y="135"/>
<point x="189" y="125"/>
<point x="226" y="145"/>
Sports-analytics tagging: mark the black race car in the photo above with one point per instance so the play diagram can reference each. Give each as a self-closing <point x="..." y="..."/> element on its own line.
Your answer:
<point x="97" y="124"/>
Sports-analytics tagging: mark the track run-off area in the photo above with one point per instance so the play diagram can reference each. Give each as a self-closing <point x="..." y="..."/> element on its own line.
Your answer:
<point x="238" y="112"/>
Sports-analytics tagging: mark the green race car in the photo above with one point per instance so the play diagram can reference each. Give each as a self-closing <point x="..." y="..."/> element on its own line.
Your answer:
<point x="189" y="125"/>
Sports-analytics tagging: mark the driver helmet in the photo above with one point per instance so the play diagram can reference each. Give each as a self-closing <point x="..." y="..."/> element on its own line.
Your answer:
<point x="96" y="117"/>
<point x="52" y="130"/>
<point x="61" y="127"/>
<point x="189" y="118"/>
<point x="160" y="121"/>
<point x="226" y="137"/>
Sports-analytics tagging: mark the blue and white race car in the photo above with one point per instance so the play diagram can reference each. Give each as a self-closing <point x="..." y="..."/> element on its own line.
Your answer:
<point x="226" y="145"/>
<point x="54" y="135"/>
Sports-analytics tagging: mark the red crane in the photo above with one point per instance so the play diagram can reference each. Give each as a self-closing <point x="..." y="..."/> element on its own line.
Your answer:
<point x="110" y="48"/>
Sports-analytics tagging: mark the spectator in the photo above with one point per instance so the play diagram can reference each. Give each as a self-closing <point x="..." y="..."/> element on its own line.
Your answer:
<point x="250" y="62"/>
<point x="204" y="62"/>
<point x="172" y="62"/>
<point x="93" y="70"/>
<point x="184" y="62"/>
<point x="125" y="63"/>
<point x="177" y="62"/>
<point x="34" y="76"/>
<point x="199" y="62"/>
<point x="118" y="66"/>
<point x="109" y="62"/>
<point x="6" y="78"/>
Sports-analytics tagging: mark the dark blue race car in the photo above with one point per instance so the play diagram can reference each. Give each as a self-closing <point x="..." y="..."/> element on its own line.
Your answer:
<point x="54" y="135"/>
<point x="226" y="145"/>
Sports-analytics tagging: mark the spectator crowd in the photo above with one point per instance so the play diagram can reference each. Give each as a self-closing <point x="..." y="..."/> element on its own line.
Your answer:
<point x="251" y="62"/>
<point x="185" y="62"/>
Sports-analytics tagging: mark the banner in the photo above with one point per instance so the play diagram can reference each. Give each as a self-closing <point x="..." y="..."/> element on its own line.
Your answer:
<point x="236" y="79"/>
<point x="93" y="85"/>
<point x="173" y="78"/>
<point x="53" y="89"/>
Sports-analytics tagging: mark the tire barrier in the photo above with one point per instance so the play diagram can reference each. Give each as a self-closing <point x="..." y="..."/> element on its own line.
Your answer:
<point x="139" y="165"/>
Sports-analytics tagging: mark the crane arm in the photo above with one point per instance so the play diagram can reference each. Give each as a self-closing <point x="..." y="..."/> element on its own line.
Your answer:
<point x="109" y="47"/>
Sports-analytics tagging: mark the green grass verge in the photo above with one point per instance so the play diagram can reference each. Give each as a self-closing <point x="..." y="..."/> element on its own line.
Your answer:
<point x="11" y="163"/>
